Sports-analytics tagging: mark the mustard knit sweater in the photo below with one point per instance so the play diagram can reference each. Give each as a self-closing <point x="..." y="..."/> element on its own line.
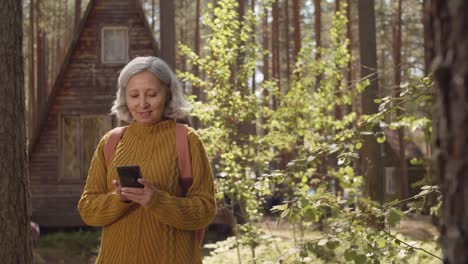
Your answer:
<point x="163" y="233"/>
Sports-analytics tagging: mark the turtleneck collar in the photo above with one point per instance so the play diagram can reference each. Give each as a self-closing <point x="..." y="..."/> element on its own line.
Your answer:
<point x="143" y="130"/>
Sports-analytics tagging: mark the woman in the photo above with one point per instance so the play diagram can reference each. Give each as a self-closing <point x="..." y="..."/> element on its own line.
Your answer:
<point x="154" y="224"/>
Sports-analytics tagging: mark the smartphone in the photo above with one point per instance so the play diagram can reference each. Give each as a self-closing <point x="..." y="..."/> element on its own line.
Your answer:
<point x="129" y="176"/>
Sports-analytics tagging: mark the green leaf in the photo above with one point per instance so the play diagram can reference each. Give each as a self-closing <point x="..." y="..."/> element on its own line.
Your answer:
<point x="381" y="139"/>
<point x="360" y="259"/>
<point x="322" y="242"/>
<point x="394" y="216"/>
<point x="358" y="145"/>
<point x="285" y="213"/>
<point x="382" y="242"/>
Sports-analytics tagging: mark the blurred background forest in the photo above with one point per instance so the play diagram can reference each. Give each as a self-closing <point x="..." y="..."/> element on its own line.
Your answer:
<point x="317" y="116"/>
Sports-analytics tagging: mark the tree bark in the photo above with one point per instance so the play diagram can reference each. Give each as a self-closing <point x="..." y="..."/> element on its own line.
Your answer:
<point x="153" y="18"/>
<point x="15" y="211"/>
<point x="428" y="36"/>
<point x="286" y="33"/>
<point x="318" y="29"/>
<point x="401" y="133"/>
<point x="31" y="74"/>
<point x="368" y="54"/>
<point x="297" y="28"/>
<point x="77" y="14"/>
<point x="266" y="63"/>
<point x="254" y="84"/>
<point x="168" y="38"/>
<point x="275" y="48"/>
<point x="196" y="70"/>
<point x="349" y="72"/>
<point x="450" y="140"/>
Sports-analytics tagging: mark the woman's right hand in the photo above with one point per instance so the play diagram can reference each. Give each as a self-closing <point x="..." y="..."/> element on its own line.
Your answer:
<point x="118" y="191"/>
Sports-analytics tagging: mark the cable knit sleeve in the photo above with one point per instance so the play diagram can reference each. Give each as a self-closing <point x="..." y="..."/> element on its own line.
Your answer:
<point x="198" y="208"/>
<point x="99" y="205"/>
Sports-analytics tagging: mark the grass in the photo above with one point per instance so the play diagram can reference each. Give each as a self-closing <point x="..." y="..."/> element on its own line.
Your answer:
<point x="283" y="248"/>
<point x="67" y="247"/>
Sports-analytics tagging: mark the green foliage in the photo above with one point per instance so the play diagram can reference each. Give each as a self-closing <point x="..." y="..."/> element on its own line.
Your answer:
<point x="81" y="243"/>
<point x="302" y="126"/>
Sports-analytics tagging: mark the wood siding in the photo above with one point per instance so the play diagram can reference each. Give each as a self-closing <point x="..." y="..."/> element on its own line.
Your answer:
<point x="84" y="87"/>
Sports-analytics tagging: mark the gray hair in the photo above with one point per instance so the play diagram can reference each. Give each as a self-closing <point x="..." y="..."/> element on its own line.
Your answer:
<point x="177" y="107"/>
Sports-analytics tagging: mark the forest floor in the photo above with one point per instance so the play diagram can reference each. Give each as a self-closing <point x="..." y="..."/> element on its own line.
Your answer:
<point x="82" y="246"/>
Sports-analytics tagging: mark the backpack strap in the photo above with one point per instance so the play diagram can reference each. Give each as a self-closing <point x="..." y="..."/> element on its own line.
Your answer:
<point x="112" y="143"/>
<point x="185" y="167"/>
<point x="183" y="157"/>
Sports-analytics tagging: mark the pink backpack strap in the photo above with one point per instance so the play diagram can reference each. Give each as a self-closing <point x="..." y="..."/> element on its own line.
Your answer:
<point x="185" y="168"/>
<point x="112" y="142"/>
<point x="183" y="157"/>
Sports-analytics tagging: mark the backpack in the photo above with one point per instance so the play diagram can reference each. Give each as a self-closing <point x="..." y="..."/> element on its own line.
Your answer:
<point x="183" y="157"/>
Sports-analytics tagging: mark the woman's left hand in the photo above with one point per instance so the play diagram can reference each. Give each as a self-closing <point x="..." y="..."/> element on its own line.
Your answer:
<point x="143" y="196"/>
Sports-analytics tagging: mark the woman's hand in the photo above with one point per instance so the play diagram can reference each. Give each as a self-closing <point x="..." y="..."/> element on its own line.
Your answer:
<point x="118" y="191"/>
<point x="143" y="196"/>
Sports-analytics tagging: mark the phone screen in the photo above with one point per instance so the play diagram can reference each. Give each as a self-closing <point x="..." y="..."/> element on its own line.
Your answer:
<point x="129" y="176"/>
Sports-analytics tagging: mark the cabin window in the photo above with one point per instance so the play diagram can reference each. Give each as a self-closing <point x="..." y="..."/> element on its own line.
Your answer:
<point x="390" y="180"/>
<point x="114" y="45"/>
<point x="80" y="136"/>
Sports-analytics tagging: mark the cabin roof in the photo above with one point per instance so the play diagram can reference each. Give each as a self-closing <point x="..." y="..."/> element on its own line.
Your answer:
<point x="42" y="117"/>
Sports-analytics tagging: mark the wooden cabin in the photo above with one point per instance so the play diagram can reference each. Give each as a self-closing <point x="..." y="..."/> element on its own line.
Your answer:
<point x="111" y="33"/>
<point x="390" y="151"/>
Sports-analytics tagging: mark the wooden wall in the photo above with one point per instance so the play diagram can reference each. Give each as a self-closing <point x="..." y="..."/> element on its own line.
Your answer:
<point x="84" y="87"/>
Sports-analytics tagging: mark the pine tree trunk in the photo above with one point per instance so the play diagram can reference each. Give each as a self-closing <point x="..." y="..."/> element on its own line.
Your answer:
<point x="15" y="211"/>
<point x="401" y="133"/>
<point x="196" y="71"/>
<point x="275" y="48"/>
<point x="297" y="28"/>
<point x="153" y="18"/>
<point x="77" y="14"/>
<point x="168" y="38"/>
<point x="318" y="29"/>
<point x="349" y="71"/>
<point x="286" y="33"/>
<point x="266" y="41"/>
<point x="338" y="110"/>
<point x="451" y="146"/>
<point x="371" y="149"/>
<point x="428" y="32"/>
<point x="254" y="40"/>
<point x="31" y="74"/>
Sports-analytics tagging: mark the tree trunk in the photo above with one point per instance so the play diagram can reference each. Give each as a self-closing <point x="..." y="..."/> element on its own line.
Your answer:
<point x="401" y="133"/>
<point x="318" y="38"/>
<point x="451" y="78"/>
<point x="275" y="48"/>
<point x="31" y="74"/>
<point x="153" y="18"/>
<point x="196" y="71"/>
<point x="297" y="28"/>
<point x="318" y="29"/>
<point x="368" y="53"/>
<point x="15" y="211"/>
<point x="266" y="63"/>
<point x="168" y="38"/>
<point x="349" y="72"/>
<point x="428" y="32"/>
<point x="338" y="109"/>
<point x="77" y="14"/>
<point x="286" y="33"/>
<point x="254" y="84"/>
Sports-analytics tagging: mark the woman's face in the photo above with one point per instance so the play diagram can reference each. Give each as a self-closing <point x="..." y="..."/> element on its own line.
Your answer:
<point x="146" y="97"/>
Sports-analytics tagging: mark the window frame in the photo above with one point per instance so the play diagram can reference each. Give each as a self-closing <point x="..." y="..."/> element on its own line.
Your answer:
<point x="127" y="43"/>
<point x="82" y="167"/>
<point x="390" y="175"/>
